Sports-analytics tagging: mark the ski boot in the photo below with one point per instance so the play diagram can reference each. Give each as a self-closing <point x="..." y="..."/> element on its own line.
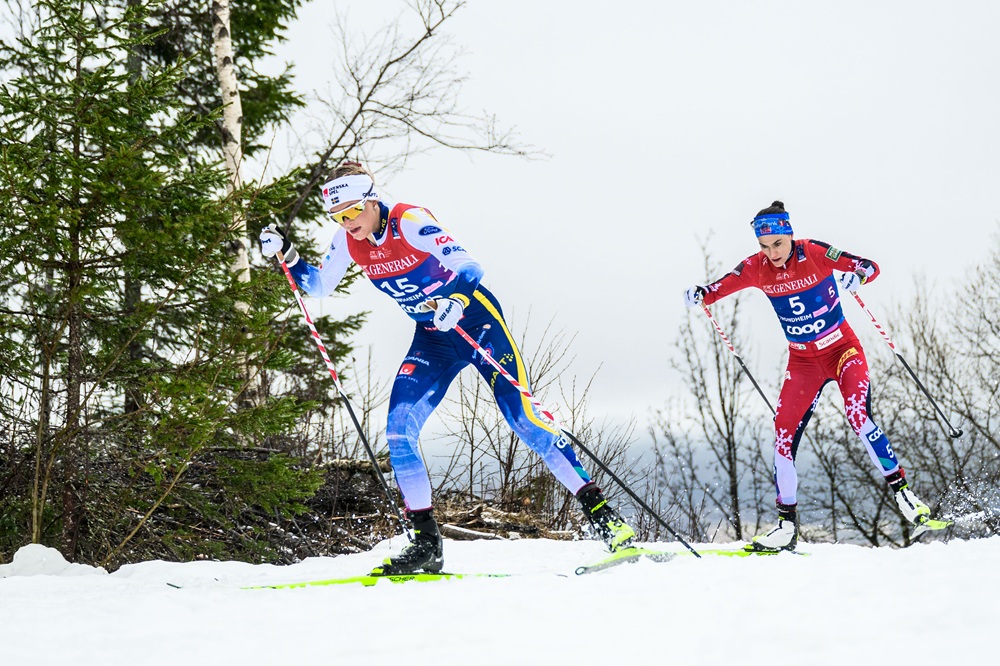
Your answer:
<point x="424" y="553"/>
<point x="607" y="522"/>
<point x="909" y="504"/>
<point x="783" y="537"/>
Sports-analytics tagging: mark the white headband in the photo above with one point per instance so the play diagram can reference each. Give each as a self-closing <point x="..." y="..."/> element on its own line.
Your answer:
<point x="349" y="188"/>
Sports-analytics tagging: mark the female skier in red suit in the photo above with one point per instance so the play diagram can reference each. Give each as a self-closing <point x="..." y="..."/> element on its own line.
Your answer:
<point x="798" y="278"/>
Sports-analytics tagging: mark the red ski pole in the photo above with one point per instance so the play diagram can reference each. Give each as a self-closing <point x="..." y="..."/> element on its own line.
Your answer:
<point x="952" y="432"/>
<point x="340" y="389"/>
<point x="725" y="338"/>
<point x="534" y="401"/>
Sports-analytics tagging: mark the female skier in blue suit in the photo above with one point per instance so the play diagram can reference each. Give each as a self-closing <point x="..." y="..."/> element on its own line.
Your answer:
<point x="409" y="256"/>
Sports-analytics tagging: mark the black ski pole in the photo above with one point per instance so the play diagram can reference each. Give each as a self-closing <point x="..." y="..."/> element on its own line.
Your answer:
<point x="547" y="414"/>
<point x="708" y="313"/>
<point x="638" y="500"/>
<point x="343" y="394"/>
<point x="952" y="432"/>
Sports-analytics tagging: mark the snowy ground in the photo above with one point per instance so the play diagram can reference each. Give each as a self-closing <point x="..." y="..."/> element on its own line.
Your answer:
<point x="928" y="604"/>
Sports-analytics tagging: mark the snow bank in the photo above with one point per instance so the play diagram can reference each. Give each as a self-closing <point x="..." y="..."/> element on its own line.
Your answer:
<point x="924" y="605"/>
<point x="38" y="560"/>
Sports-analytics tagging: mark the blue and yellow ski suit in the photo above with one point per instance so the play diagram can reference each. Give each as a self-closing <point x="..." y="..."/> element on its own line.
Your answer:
<point x="414" y="259"/>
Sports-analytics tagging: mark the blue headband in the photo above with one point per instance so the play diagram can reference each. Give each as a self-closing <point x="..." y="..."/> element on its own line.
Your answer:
<point x="772" y="223"/>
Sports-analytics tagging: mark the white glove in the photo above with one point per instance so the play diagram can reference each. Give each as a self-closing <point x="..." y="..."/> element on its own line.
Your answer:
<point x="447" y="312"/>
<point x="850" y="281"/>
<point x="273" y="241"/>
<point x="694" y="296"/>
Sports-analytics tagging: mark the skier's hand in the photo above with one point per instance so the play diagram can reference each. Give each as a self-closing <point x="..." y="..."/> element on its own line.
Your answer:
<point x="273" y="241"/>
<point x="851" y="281"/>
<point x="694" y="296"/>
<point x="447" y="312"/>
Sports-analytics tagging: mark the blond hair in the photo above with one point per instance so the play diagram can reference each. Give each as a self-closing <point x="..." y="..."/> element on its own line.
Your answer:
<point x="351" y="169"/>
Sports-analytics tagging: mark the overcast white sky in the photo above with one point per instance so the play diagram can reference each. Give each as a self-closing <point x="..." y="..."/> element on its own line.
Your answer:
<point x="875" y="122"/>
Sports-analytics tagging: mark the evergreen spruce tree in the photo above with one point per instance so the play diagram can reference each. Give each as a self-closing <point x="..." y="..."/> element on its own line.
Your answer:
<point x="125" y="338"/>
<point x="121" y="343"/>
<point x="180" y="31"/>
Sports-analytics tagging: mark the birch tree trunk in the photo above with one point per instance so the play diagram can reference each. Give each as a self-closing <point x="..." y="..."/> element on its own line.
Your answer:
<point x="232" y="149"/>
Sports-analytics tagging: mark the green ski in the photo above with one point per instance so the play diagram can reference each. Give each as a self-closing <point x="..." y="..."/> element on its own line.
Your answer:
<point x="930" y="525"/>
<point x="624" y="556"/>
<point x="740" y="552"/>
<point x="369" y="580"/>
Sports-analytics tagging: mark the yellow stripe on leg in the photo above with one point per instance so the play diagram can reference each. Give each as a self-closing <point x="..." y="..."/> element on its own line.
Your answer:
<point x="522" y="374"/>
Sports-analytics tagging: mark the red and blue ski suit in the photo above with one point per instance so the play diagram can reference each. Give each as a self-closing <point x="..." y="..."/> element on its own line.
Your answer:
<point x="412" y="260"/>
<point x="821" y="348"/>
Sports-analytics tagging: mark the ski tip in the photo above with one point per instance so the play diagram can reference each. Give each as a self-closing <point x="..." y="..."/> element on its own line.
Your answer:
<point x="626" y="556"/>
<point x="930" y="525"/>
<point x="935" y="524"/>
